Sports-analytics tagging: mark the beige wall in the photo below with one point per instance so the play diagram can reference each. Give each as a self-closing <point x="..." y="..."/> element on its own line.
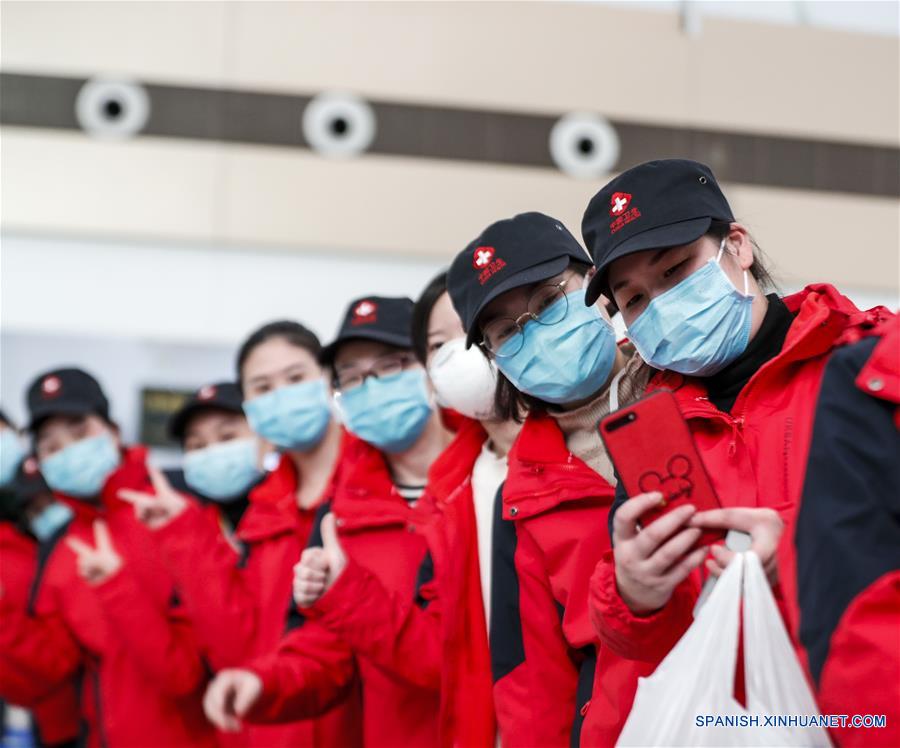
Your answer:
<point x="535" y="56"/>
<point x="541" y="57"/>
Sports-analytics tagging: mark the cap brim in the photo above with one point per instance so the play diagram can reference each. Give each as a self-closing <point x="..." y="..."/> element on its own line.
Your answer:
<point x="58" y="408"/>
<point x="534" y="274"/>
<point x="178" y="422"/>
<point x="672" y="235"/>
<point x="326" y="357"/>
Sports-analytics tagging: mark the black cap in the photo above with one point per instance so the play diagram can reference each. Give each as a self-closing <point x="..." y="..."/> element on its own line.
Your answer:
<point x="219" y="396"/>
<point x="517" y="251"/>
<point x="27" y="484"/>
<point x="28" y="481"/>
<point x="654" y="205"/>
<point x="384" y="319"/>
<point x="64" y="392"/>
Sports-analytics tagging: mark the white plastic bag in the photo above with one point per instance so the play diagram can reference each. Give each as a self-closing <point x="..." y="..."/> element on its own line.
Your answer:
<point x="696" y="679"/>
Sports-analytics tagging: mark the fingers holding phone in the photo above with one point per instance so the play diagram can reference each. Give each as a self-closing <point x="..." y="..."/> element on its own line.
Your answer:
<point x="653" y="560"/>
<point x="764" y="526"/>
<point x="654" y="543"/>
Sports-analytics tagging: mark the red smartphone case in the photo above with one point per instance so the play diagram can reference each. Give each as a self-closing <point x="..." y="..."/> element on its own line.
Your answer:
<point x="651" y="447"/>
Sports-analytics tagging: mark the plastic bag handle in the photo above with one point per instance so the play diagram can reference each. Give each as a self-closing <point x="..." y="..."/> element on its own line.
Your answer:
<point x="775" y="681"/>
<point x="713" y="636"/>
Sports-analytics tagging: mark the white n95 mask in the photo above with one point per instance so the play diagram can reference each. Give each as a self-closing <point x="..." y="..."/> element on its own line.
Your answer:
<point x="464" y="380"/>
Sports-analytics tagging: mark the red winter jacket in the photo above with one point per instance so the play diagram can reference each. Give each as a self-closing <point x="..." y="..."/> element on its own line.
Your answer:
<point x="848" y="537"/>
<point x="128" y="638"/>
<point x="240" y="610"/>
<point x="56" y="715"/>
<point x="755" y="456"/>
<point x="437" y="640"/>
<point x="313" y="664"/>
<point x="544" y="666"/>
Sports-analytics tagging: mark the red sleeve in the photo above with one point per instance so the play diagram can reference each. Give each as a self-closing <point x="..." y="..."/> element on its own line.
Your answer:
<point x="21" y="635"/>
<point x="17" y="568"/>
<point x="392" y="632"/>
<point x="861" y="674"/>
<point x="646" y="638"/>
<point x="55" y="707"/>
<point x="39" y="654"/>
<point x="311" y="671"/>
<point x="18" y="687"/>
<point x="217" y="599"/>
<point x="58" y="716"/>
<point x="569" y="540"/>
<point x="161" y="641"/>
<point x="55" y="710"/>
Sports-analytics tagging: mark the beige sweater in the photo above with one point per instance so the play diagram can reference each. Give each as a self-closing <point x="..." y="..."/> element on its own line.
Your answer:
<point x="580" y="426"/>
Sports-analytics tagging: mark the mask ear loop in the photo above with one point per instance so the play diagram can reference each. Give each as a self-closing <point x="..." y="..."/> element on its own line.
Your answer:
<point x="337" y="409"/>
<point x="614" y="390"/>
<point x="719" y="263"/>
<point x="721" y="250"/>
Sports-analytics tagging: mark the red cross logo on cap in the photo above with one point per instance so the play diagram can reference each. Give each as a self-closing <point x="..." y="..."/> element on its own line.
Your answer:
<point x="30" y="466"/>
<point x="618" y="203"/>
<point x="364" y="313"/>
<point x="207" y="393"/>
<point x="51" y="386"/>
<point x="482" y="257"/>
<point x="364" y="309"/>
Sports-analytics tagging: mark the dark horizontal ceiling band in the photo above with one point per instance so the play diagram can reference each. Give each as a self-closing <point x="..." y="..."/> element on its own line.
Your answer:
<point x="464" y="134"/>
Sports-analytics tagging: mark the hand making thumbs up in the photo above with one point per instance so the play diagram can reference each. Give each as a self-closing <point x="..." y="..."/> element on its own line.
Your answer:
<point x="99" y="563"/>
<point x="319" y="568"/>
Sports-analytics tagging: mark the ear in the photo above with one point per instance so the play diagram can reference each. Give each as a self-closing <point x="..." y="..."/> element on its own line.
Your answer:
<point x="738" y="244"/>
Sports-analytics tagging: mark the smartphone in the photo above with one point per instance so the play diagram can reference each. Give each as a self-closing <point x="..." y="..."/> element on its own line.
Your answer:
<point x="651" y="448"/>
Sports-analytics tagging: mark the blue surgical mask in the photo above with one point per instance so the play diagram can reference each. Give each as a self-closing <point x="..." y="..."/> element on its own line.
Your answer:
<point x="295" y="416"/>
<point x="389" y="412"/>
<point x="223" y="471"/>
<point x="564" y="362"/>
<point x="81" y="469"/>
<point x="11" y="454"/>
<point x="698" y="326"/>
<point x="52" y="517"/>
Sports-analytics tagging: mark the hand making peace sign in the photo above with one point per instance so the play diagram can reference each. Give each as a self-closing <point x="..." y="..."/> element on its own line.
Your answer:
<point x="97" y="564"/>
<point x="156" y="509"/>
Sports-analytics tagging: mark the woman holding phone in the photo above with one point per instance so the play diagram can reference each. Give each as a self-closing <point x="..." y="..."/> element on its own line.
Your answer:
<point x="745" y="368"/>
<point x="518" y="288"/>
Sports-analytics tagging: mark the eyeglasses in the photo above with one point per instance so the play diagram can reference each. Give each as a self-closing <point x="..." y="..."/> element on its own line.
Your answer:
<point x="548" y="305"/>
<point x="350" y="378"/>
